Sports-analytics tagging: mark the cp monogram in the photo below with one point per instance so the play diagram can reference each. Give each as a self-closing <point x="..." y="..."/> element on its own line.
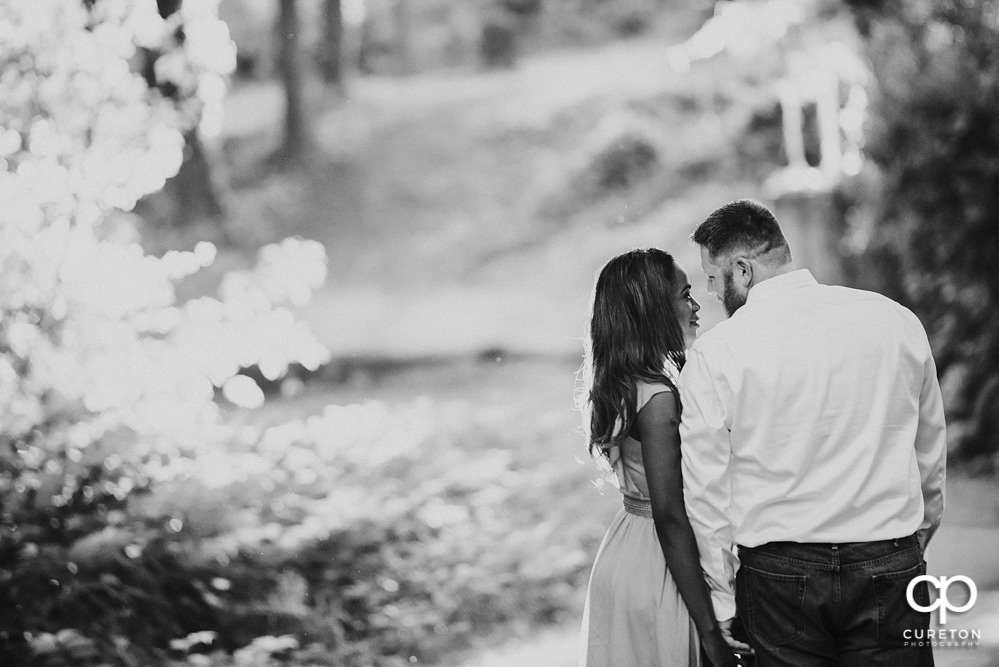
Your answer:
<point x="942" y="601"/>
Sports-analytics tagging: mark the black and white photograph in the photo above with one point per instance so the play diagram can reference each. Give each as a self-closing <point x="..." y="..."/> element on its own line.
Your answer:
<point x="499" y="333"/>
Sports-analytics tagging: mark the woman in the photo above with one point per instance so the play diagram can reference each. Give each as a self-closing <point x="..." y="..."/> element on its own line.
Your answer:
<point x="646" y="585"/>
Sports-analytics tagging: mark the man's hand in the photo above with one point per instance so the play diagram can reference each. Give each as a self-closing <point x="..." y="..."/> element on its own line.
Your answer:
<point x="923" y="537"/>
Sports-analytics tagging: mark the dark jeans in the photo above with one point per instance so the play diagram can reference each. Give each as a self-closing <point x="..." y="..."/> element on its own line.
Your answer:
<point x="833" y="604"/>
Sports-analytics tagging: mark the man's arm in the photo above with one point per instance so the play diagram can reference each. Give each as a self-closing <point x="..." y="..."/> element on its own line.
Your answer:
<point x="931" y="450"/>
<point x="705" y="458"/>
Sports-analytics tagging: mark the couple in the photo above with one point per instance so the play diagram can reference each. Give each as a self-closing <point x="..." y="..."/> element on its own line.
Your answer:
<point x="788" y="467"/>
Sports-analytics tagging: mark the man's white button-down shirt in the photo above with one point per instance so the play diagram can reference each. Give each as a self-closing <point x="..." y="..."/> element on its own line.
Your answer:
<point x="813" y="414"/>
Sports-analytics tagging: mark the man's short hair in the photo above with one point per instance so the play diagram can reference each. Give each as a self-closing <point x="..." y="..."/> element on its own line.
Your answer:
<point x="743" y="226"/>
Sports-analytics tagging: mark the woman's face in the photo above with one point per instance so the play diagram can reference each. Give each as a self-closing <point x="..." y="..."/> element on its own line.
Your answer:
<point x="685" y="307"/>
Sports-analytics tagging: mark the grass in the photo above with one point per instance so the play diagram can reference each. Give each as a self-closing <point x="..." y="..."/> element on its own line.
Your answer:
<point x="420" y="512"/>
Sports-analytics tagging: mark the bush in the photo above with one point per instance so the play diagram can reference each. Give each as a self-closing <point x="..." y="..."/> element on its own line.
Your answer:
<point x="109" y="381"/>
<point x="624" y="163"/>
<point x="934" y="135"/>
<point x="621" y="155"/>
<point x="498" y="45"/>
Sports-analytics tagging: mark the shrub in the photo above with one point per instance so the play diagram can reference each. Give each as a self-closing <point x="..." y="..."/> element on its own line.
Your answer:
<point x="498" y="45"/>
<point x="109" y="381"/>
<point x="934" y="135"/>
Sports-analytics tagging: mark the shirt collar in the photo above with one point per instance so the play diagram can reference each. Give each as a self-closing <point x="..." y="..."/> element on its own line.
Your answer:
<point x="785" y="282"/>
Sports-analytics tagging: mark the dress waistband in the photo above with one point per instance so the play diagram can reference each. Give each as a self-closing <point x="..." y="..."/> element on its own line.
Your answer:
<point x="638" y="507"/>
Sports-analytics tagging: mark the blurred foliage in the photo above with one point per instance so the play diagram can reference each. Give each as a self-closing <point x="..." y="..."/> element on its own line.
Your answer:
<point x="143" y="518"/>
<point x="933" y="239"/>
<point x="448" y="33"/>
<point x="364" y="534"/>
<point x="108" y="381"/>
<point x="374" y="530"/>
<point x="498" y="45"/>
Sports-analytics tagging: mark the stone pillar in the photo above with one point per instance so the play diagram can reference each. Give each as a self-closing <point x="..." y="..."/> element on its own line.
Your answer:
<point x="813" y="230"/>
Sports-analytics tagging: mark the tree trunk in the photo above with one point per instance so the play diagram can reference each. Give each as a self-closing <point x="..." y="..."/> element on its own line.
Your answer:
<point x="364" y="64"/>
<point x="402" y="32"/>
<point x="296" y="125"/>
<point x="194" y="186"/>
<point x="193" y="194"/>
<point x="191" y="197"/>
<point x="331" y="57"/>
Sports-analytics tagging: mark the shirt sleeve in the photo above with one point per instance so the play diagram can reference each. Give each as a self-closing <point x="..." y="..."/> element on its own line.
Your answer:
<point x="705" y="461"/>
<point x="931" y="450"/>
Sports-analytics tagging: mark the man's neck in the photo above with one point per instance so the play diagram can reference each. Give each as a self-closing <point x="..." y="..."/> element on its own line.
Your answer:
<point x="764" y="272"/>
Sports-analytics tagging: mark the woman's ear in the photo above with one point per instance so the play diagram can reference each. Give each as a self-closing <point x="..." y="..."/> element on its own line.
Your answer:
<point x="742" y="271"/>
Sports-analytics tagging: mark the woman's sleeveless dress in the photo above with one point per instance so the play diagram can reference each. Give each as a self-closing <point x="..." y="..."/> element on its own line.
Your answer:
<point x="634" y="616"/>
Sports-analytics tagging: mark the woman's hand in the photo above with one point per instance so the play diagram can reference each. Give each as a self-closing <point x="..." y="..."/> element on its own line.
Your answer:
<point x="718" y="652"/>
<point x="733" y="643"/>
<point x="723" y="649"/>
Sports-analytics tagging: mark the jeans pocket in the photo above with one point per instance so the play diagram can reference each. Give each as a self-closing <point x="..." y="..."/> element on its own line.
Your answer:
<point x="773" y="603"/>
<point x="895" y="614"/>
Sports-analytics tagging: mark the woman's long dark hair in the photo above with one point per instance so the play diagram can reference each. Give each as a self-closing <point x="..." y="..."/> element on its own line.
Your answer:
<point x="634" y="334"/>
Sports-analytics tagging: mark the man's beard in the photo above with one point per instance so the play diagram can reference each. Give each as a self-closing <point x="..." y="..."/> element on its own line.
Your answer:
<point x="731" y="300"/>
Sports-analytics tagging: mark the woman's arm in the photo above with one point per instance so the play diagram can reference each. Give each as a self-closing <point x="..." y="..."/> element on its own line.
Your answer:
<point x="660" y="438"/>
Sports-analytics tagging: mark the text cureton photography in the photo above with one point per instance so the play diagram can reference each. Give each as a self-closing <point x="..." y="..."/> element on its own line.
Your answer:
<point x="944" y="604"/>
<point x="944" y="637"/>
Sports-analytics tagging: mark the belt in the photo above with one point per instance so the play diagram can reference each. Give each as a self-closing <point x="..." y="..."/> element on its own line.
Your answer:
<point x="638" y="506"/>
<point x="905" y="542"/>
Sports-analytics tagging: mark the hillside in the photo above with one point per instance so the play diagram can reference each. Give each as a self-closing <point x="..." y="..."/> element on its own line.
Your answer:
<point x="465" y="210"/>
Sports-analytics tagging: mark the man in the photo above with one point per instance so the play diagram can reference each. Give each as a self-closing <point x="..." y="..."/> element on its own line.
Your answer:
<point x="814" y="440"/>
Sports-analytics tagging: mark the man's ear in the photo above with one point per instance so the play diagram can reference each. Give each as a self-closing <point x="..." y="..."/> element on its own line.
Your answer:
<point x="742" y="271"/>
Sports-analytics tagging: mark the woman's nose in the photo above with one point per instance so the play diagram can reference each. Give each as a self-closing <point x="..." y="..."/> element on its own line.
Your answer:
<point x="694" y="306"/>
